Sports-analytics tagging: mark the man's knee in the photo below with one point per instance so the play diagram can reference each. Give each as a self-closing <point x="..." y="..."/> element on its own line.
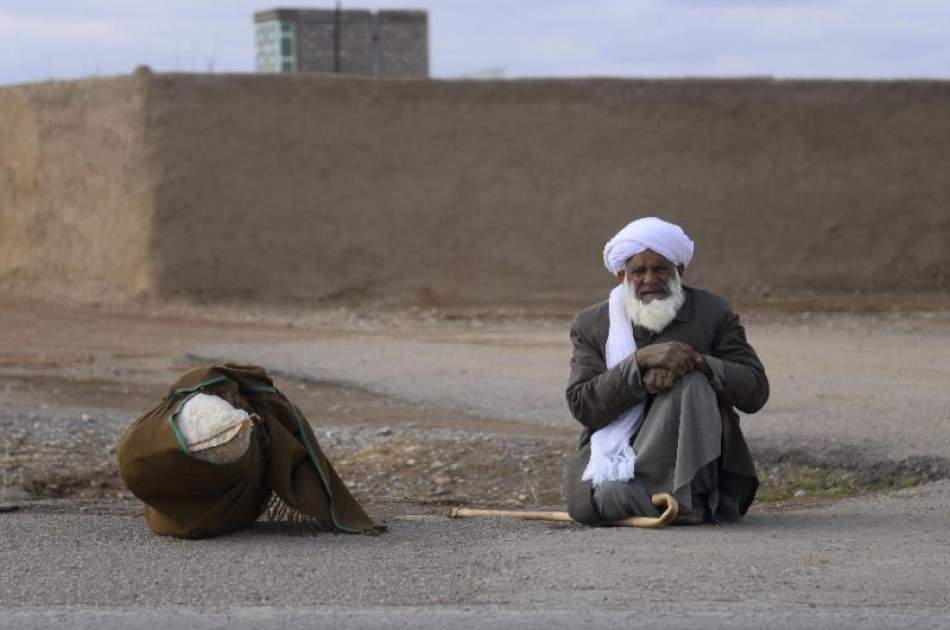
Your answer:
<point x="694" y="383"/>
<point x="692" y="394"/>
<point x="693" y="390"/>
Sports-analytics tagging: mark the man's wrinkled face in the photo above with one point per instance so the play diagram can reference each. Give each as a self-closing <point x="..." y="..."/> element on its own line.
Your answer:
<point x="650" y="274"/>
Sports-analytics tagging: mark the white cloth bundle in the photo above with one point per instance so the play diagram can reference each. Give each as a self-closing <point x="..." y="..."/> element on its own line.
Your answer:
<point x="213" y="430"/>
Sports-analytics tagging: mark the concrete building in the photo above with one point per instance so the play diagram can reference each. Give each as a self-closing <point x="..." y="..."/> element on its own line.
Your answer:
<point x="386" y="43"/>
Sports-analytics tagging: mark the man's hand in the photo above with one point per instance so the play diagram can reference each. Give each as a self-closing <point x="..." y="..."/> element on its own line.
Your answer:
<point x="659" y="380"/>
<point x="675" y="356"/>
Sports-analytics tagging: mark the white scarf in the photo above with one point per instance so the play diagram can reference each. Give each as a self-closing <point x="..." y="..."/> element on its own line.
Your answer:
<point x="611" y="456"/>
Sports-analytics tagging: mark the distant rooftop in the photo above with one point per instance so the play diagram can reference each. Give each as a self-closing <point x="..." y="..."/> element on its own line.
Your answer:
<point x="283" y="13"/>
<point x="384" y="43"/>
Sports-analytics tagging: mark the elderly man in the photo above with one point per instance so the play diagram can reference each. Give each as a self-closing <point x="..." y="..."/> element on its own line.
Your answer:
<point x="656" y="372"/>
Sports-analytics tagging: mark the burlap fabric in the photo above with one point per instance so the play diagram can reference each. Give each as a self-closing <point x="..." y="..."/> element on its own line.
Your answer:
<point x="283" y="473"/>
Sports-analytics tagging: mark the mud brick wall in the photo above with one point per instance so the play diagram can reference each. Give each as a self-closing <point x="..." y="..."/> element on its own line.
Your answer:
<point x="76" y="190"/>
<point x="315" y="188"/>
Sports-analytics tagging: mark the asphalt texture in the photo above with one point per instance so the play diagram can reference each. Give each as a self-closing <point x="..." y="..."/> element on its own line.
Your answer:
<point x="869" y="562"/>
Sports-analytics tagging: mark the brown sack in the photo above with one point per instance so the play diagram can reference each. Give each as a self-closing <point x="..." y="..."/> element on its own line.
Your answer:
<point x="284" y="468"/>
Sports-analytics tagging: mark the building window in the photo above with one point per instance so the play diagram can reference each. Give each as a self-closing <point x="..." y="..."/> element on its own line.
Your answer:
<point x="266" y="36"/>
<point x="276" y="46"/>
<point x="288" y="47"/>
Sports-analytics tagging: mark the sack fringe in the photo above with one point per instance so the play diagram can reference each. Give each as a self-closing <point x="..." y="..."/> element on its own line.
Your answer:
<point x="277" y="511"/>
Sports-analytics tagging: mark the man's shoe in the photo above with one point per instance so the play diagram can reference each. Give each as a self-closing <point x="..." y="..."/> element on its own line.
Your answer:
<point x="689" y="517"/>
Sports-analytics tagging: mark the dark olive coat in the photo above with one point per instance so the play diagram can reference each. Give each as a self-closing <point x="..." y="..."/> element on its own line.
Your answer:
<point x="597" y="396"/>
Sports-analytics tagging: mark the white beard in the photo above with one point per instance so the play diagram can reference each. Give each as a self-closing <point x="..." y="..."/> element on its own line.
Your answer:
<point x="658" y="314"/>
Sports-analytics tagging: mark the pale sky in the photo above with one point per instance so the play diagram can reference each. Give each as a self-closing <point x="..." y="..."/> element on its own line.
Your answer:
<point x="54" y="39"/>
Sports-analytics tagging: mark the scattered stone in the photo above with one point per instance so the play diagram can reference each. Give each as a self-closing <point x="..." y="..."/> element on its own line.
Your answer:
<point x="801" y="493"/>
<point x="385" y="431"/>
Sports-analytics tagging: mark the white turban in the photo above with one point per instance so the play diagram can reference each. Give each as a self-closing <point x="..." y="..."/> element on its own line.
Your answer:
<point x="666" y="239"/>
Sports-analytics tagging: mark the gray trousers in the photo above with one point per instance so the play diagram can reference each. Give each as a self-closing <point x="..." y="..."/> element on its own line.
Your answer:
<point x="678" y="446"/>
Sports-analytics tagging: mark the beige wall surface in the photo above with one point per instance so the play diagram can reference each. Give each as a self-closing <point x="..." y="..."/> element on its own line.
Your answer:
<point x="75" y="203"/>
<point x="435" y="192"/>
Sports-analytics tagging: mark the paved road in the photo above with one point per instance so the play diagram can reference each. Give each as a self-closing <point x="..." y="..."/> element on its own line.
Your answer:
<point x="876" y="563"/>
<point x="736" y="615"/>
<point x="881" y="391"/>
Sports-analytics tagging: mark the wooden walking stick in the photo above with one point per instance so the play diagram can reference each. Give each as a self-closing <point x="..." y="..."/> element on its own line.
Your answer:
<point x="662" y="500"/>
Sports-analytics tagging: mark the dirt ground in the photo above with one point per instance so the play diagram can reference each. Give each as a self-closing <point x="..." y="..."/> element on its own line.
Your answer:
<point x="74" y="376"/>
